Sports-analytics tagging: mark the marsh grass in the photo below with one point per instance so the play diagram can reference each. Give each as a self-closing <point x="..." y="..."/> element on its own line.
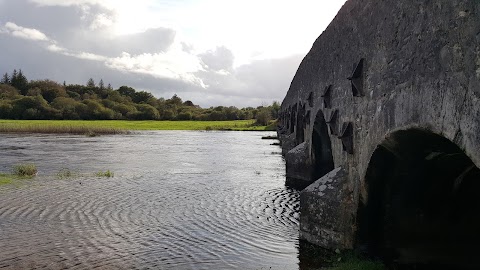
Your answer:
<point x="106" y="173"/>
<point x="5" y="179"/>
<point x="101" y="127"/>
<point x="66" y="173"/>
<point x="56" y="127"/>
<point x="25" y="170"/>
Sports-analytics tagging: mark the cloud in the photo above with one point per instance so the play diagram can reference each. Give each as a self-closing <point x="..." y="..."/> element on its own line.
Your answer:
<point x="25" y="33"/>
<point x="175" y="64"/>
<point x="152" y="40"/>
<point x="55" y="48"/>
<point x="65" y="2"/>
<point x="101" y="20"/>
<point x="220" y="59"/>
<point x="165" y="47"/>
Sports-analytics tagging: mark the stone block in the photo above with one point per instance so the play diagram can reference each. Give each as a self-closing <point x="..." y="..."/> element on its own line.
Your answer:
<point x="325" y="211"/>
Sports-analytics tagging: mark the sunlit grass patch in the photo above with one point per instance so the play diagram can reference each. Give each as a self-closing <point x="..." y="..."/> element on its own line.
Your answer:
<point x="56" y="127"/>
<point x="106" y="173"/>
<point x="25" y="170"/>
<point x="5" y="179"/>
<point x="101" y="127"/>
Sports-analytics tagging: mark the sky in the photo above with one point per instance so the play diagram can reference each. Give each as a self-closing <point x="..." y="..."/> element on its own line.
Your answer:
<point x="212" y="52"/>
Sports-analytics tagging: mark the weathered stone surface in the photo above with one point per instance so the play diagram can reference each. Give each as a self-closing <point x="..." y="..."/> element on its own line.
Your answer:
<point x="287" y="142"/>
<point x="325" y="211"/>
<point x="298" y="169"/>
<point x="421" y="69"/>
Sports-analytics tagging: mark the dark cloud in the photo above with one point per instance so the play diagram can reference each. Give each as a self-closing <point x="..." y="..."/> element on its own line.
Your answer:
<point x="219" y="59"/>
<point x="270" y="77"/>
<point x="70" y="29"/>
<point x="151" y="41"/>
<point x="58" y="22"/>
<point x="267" y="79"/>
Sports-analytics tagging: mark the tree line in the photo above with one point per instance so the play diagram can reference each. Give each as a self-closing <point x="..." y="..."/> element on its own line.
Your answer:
<point x="47" y="99"/>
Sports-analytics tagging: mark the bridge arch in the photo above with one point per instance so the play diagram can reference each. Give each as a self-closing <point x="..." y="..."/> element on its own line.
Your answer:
<point x="321" y="152"/>
<point x="422" y="203"/>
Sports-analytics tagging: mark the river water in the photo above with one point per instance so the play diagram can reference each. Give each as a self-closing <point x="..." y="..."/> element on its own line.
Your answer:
<point x="178" y="200"/>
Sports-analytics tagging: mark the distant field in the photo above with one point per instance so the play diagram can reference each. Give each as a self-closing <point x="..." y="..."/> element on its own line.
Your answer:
<point x="118" y="126"/>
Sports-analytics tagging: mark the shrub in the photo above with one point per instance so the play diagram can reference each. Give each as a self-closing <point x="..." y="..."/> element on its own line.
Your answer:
<point x="25" y="170"/>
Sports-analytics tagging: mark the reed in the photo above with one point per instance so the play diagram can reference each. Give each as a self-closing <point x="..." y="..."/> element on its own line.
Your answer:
<point x="90" y="131"/>
<point x="99" y="127"/>
<point x="25" y="170"/>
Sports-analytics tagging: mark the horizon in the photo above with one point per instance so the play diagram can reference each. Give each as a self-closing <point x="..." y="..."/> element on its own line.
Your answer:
<point x="200" y="50"/>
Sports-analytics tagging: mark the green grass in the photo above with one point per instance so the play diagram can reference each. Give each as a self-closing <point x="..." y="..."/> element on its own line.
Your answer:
<point x="21" y="171"/>
<point x="106" y="173"/>
<point x="5" y="179"/>
<point x="25" y="170"/>
<point x="91" y="127"/>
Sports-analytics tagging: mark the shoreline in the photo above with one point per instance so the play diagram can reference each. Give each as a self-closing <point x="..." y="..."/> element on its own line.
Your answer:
<point x="99" y="127"/>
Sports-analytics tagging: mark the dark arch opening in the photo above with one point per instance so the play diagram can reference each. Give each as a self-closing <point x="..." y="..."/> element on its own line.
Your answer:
<point x="423" y="205"/>
<point x="300" y="133"/>
<point x="321" y="148"/>
<point x="293" y="116"/>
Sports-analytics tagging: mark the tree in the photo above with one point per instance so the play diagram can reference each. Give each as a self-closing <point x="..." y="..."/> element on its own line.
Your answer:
<point x="50" y="90"/>
<point x="263" y="116"/>
<point x="5" y="79"/>
<point x="101" y="85"/>
<point x="13" y="78"/>
<point x="275" y="109"/>
<point x="6" y="109"/>
<point x="175" y="100"/>
<point x="8" y="91"/>
<point x="69" y="107"/>
<point x="126" y="91"/>
<point x="19" y="81"/>
<point x="91" y="83"/>
<point x="142" y="97"/>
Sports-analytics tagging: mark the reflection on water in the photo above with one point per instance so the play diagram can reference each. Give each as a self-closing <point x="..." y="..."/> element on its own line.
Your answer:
<point x="179" y="200"/>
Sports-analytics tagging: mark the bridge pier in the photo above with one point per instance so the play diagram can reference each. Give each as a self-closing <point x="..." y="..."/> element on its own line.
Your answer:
<point x="326" y="211"/>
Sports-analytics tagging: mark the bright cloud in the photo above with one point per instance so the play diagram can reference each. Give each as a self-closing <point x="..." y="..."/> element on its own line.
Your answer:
<point x="176" y="64"/>
<point x="101" y="20"/>
<point x="25" y="33"/>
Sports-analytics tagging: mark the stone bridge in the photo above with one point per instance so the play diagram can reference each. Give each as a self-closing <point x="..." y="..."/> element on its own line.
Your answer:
<point x="381" y="130"/>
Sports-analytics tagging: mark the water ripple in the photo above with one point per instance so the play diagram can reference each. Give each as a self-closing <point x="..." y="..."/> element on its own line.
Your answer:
<point x="179" y="200"/>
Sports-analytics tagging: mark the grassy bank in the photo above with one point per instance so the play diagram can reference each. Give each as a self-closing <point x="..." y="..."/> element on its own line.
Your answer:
<point x="118" y="126"/>
<point x="20" y="171"/>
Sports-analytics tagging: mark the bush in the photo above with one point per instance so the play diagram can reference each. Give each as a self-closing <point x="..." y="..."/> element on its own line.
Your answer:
<point x="25" y="170"/>
<point x="263" y="117"/>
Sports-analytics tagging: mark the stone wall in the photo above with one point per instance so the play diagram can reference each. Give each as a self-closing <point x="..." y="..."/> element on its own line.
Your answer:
<point x="379" y="67"/>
